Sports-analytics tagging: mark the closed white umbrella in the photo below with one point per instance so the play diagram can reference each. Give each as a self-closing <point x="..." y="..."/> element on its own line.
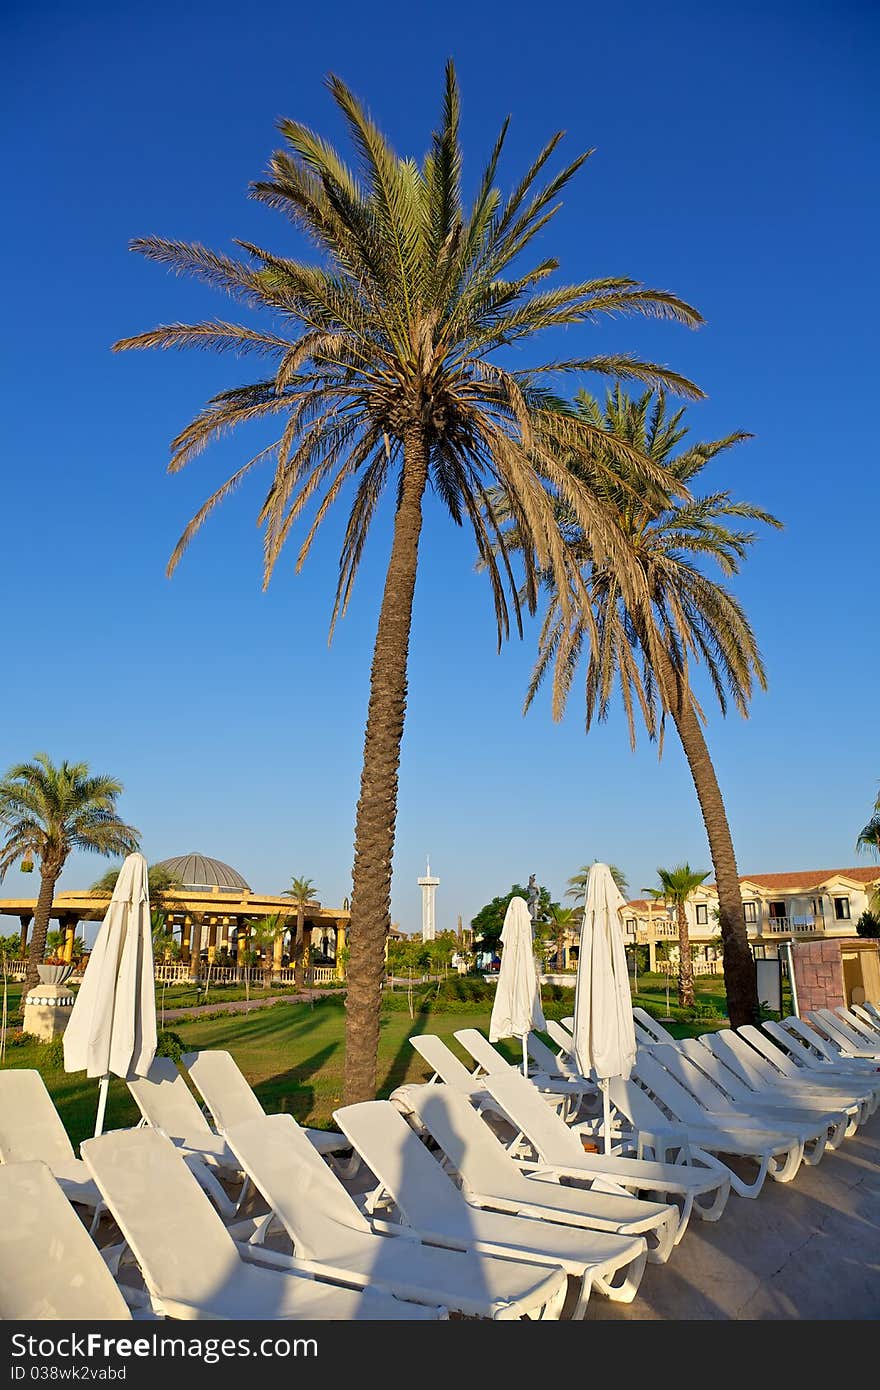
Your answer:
<point x="112" y="1027"/>
<point x="517" y="1006"/>
<point x="604" y="1034"/>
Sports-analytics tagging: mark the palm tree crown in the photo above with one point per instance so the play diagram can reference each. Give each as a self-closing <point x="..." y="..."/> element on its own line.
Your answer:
<point x="577" y="885"/>
<point x="47" y="811"/>
<point x="677" y="885"/>
<point x="382" y="373"/>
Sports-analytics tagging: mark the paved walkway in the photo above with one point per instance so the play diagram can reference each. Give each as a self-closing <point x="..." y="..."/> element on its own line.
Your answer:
<point x="806" y="1249"/>
<point x="244" y="1006"/>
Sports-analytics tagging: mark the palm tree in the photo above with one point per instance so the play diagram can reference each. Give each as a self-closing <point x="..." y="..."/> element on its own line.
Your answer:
<point x="562" y="919"/>
<point x="676" y="887"/>
<point x="159" y="881"/>
<point x="266" y="933"/>
<point x="302" y="890"/>
<point x="869" y="836"/>
<point x="577" y="884"/>
<point x="382" y="378"/>
<point x="646" y="636"/>
<point x="47" y="811"/>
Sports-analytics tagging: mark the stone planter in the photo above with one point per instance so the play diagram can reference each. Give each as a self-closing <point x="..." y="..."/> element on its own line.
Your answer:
<point x="54" y="974"/>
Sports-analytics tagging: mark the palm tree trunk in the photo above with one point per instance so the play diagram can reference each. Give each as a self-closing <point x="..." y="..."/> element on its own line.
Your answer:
<point x="685" y="964"/>
<point x="377" y="806"/>
<point x="740" y="976"/>
<point x="49" y="876"/>
<point x="298" y="972"/>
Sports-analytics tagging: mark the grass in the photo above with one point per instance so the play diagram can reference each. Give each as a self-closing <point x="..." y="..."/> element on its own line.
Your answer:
<point x="293" y="1054"/>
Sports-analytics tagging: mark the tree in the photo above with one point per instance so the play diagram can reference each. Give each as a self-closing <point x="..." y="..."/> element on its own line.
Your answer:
<point x="868" y="924"/>
<point x="47" y="811"/>
<point x="676" y="887"/>
<point x="302" y="890"/>
<point x="489" y="920"/>
<point x="868" y="838"/>
<point x="266" y="931"/>
<point x="577" y="884"/>
<point x="381" y="378"/>
<point x="563" y="920"/>
<point x="645" y="637"/>
<point x="159" y="881"/>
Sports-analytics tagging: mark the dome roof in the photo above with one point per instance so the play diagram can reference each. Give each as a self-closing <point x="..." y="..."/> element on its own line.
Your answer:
<point x="198" y="871"/>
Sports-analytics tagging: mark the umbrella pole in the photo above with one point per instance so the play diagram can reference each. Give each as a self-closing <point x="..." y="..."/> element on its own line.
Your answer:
<point x="102" y="1105"/>
<point x="525" y="1055"/>
<point x="606" y="1114"/>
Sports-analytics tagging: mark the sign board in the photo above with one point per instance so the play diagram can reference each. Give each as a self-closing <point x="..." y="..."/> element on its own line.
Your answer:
<point x="770" y="983"/>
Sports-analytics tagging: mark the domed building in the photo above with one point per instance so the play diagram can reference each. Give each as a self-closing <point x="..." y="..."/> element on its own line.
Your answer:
<point x="196" y="871"/>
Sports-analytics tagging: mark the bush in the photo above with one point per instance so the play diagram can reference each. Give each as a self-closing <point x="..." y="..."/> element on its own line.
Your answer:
<point x="170" y="1045"/>
<point x="868" y="924"/>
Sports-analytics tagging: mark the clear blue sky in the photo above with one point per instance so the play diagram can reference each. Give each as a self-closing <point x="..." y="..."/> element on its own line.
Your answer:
<point x="736" y="164"/>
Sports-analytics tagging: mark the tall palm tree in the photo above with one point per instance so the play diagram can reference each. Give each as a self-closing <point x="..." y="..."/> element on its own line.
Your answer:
<point x="47" y="811"/>
<point x="676" y="887"/>
<point x="646" y="636"/>
<point x="302" y="890"/>
<point x="868" y="837"/>
<point x="577" y="884"/>
<point x="382" y="376"/>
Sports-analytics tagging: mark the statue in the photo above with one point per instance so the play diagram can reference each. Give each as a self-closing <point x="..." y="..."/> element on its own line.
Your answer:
<point x="533" y="898"/>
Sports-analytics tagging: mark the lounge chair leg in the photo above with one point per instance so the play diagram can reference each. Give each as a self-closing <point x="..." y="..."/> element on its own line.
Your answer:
<point x="816" y="1150"/>
<point x="784" y="1169"/>
<point x="746" y="1189"/>
<point x="579" y="1311"/>
<point x="713" y="1211"/>
<point x="626" y="1291"/>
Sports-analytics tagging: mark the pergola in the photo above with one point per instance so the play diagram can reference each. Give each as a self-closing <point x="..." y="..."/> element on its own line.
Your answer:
<point x="209" y="918"/>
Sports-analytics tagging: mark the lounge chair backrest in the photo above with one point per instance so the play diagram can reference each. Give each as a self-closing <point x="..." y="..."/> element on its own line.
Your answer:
<point x="780" y="1051"/>
<point x="176" y="1236"/>
<point x="839" y="1030"/>
<point x="708" y="1093"/>
<point x="801" y="1032"/>
<point x="487" y="1057"/>
<point x="474" y="1151"/>
<point x="445" y="1063"/>
<point x="225" y="1091"/>
<point x="530" y="1113"/>
<point x="30" y="1126"/>
<point x="869" y="1022"/>
<point x="668" y="1089"/>
<point x="49" y="1266"/>
<point x="544" y="1057"/>
<point x="284" y="1165"/>
<point x="561" y="1036"/>
<point x="746" y="1062"/>
<point x="642" y="1110"/>
<point x="426" y="1196"/>
<point x="858" y="1026"/>
<point x="654" y="1029"/>
<point x="730" y="1082"/>
<point x="165" y="1100"/>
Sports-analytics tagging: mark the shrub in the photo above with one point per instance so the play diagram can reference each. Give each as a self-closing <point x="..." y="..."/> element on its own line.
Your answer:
<point x="170" y="1045"/>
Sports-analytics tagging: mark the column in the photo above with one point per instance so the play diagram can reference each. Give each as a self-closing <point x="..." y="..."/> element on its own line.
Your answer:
<point x="25" y="920"/>
<point x="195" y="952"/>
<point x="68" y="926"/>
<point x="278" y="951"/>
<point x="212" y="940"/>
<point x="340" y="947"/>
<point x="186" y="938"/>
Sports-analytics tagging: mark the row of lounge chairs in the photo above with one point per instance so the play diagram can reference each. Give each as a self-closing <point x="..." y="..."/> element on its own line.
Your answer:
<point x="479" y="1194"/>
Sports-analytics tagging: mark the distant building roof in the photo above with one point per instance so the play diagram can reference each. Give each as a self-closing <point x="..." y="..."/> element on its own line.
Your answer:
<point x="198" y="871"/>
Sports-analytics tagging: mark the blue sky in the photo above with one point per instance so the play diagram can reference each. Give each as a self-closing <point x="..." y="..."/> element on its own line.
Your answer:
<point x="735" y="163"/>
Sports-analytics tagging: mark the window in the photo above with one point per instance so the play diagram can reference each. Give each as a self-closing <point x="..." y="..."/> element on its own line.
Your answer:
<point x="702" y="914"/>
<point x="777" y="909"/>
<point x="750" y="912"/>
<point x="817" y="907"/>
<point x="841" y="909"/>
<point x="630" y="926"/>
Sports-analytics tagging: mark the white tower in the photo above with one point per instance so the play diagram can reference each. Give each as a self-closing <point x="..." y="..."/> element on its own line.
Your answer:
<point x="429" y="887"/>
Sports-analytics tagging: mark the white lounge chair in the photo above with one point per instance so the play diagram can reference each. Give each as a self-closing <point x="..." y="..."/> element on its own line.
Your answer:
<point x="489" y="1060"/>
<point x="411" y="1181"/>
<point x="31" y="1128"/>
<point x="859" y="1014"/>
<point x="816" y="1129"/>
<point x="775" y="1152"/>
<point x="558" y="1150"/>
<point x="653" y="1031"/>
<point x="331" y="1236"/>
<point x="231" y="1099"/>
<point x="788" y="1056"/>
<point x="817" y="1052"/>
<point x="491" y="1179"/>
<point x="548" y="1062"/>
<point x="166" y="1103"/>
<point x="843" y="1036"/>
<point x="49" y="1266"/>
<point x="191" y="1265"/>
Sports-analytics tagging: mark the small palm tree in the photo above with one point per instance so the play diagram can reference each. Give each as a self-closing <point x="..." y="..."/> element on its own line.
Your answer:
<point x="577" y="884"/>
<point x="382" y="376"/>
<point x="47" y="811"/>
<point x="644" y="637"/>
<point x="159" y="881"/>
<point x="562" y="920"/>
<point x="302" y="890"/>
<point x="676" y="887"/>
<point x="267" y="931"/>
<point x="869" y="836"/>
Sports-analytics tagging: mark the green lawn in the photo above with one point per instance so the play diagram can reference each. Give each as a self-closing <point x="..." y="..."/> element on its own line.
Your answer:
<point x="293" y="1053"/>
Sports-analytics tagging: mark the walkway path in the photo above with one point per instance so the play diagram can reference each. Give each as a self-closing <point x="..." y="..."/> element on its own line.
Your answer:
<point x="244" y="1006"/>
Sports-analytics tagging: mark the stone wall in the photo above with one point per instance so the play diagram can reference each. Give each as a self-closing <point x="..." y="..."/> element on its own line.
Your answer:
<point x="818" y="975"/>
